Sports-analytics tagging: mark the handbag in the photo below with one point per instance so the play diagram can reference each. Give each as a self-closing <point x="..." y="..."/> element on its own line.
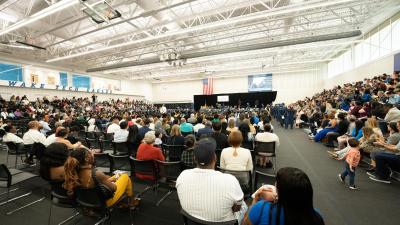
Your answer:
<point x="104" y="191"/>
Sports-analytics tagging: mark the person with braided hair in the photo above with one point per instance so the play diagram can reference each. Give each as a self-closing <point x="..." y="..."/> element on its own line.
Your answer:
<point x="80" y="172"/>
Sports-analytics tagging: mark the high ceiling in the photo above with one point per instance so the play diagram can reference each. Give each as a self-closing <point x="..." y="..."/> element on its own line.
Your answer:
<point x="212" y="37"/>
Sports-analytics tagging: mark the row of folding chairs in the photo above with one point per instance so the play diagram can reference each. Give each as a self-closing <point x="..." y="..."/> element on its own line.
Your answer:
<point x="21" y="151"/>
<point x="84" y="198"/>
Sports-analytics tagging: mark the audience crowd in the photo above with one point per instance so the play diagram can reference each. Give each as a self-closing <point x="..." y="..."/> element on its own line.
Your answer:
<point x="361" y="118"/>
<point x="366" y="111"/>
<point x="60" y="132"/>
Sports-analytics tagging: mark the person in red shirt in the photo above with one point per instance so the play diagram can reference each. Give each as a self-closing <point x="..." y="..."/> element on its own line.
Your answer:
<point x="352" y="160"/>
<point x="147" y="151"/>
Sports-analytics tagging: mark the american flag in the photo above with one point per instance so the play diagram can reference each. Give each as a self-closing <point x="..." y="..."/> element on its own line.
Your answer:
<point x="208" y="86"/>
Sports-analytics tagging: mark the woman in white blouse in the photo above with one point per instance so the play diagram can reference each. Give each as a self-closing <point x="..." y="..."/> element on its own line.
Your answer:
<point x="236" y="157"/>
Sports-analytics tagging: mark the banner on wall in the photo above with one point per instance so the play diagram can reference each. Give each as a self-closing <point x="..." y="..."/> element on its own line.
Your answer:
<point x="18" y="84"/>
<point x="43" y="78"/>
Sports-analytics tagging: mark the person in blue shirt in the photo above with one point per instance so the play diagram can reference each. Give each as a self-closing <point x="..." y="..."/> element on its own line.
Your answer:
<point x="345" y="105"/>
<point x="366" y="97"/>
<point x="254" y="119"/>
<point x="292" y="206"/>
<point x="357" y="131"/>
<point x="186" y="128"/>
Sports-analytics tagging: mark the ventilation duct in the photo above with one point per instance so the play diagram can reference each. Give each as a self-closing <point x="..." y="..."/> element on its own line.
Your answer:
<point x="272" y="44"/>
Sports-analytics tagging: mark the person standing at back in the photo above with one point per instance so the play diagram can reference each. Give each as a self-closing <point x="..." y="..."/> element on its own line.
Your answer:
<point x="205" y="193"/>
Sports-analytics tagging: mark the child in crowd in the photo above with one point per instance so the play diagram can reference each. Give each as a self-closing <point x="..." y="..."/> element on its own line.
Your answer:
<point x="352" y="160"/>
<point x="158" y="141"/>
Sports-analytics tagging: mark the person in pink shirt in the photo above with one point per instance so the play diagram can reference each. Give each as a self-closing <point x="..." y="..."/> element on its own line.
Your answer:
<point x="352" y="160"/>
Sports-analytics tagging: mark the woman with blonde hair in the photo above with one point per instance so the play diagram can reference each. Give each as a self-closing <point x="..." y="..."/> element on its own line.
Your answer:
<point x="252" y="128"/>
<point x="236" y="157"/>
<point x="176" y="137"/>
<point x="231" y="125"/>
<point x="373" y="124"/>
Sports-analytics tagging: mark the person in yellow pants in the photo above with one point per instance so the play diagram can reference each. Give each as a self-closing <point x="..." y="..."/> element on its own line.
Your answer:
<point x="124" y="185"/>
<point x="79" y="171"/>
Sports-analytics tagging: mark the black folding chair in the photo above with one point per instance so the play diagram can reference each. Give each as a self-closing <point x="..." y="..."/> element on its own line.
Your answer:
<point x="103" y="162"/>
<point x="106" y="146"/>
<point x="91" y="135"/>
<point x="17" y="150"/>
<point x="191" y="220"/>
<point x="92" y="199"/>
<point x="173" y="153"/>
<point x="263" y="178"/>
<point x="168" y="173"/>
<point x="60" y="198"/>
<point x="187" y="133"/>
<point x="146" y="168"/>
<point x="269" y="149"/>
<point x="9" y="178"/>
<point x="120" y="157"/>
<point x="244" y="177"/>
<point x="218" y="154"/>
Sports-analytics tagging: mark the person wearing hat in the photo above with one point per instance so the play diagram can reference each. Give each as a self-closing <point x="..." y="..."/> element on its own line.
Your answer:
<point x="205" y="193"/>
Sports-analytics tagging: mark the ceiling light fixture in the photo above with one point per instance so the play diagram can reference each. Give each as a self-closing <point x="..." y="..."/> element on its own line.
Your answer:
<point x="240" y="19"/>
<point x="234" y="75"/>
<point x="40" y="15"/>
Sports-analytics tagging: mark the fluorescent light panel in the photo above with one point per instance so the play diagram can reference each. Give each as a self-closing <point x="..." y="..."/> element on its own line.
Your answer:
<point x="260" y="15"/>
<point x="40" y="15"/>
<point x="237" y="75"/>
<point x="221" y="70"/>
<point x="161" y="65"/>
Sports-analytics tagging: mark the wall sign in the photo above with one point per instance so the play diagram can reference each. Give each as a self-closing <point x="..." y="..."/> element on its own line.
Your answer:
<point x="55" y="87"/>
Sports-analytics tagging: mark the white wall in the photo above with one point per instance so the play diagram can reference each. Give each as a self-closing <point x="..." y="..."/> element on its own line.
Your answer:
<point x="176" y="91"/>
<point x="369" y="70"/>
<point x="184" y="91"/>
<point x="290" y="86"/>
<point x="137" y="88"/>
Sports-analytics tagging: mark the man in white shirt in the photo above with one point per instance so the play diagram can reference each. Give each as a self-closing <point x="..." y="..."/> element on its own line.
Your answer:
<point x="267" y="136"/>
<point x="199" y="124"/>
<point x="205" y="193"/>
<point x="393" y="114"/>
<point x="121" y="135"/>
<point x="163" y="109"/>
<point x="52" y="138"/>
<point x="114" y="126"/>
<point x="33" y="136"/>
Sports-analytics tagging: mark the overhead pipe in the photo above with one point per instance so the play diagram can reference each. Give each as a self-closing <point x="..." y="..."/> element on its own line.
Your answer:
<point x="251" y="47"/>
